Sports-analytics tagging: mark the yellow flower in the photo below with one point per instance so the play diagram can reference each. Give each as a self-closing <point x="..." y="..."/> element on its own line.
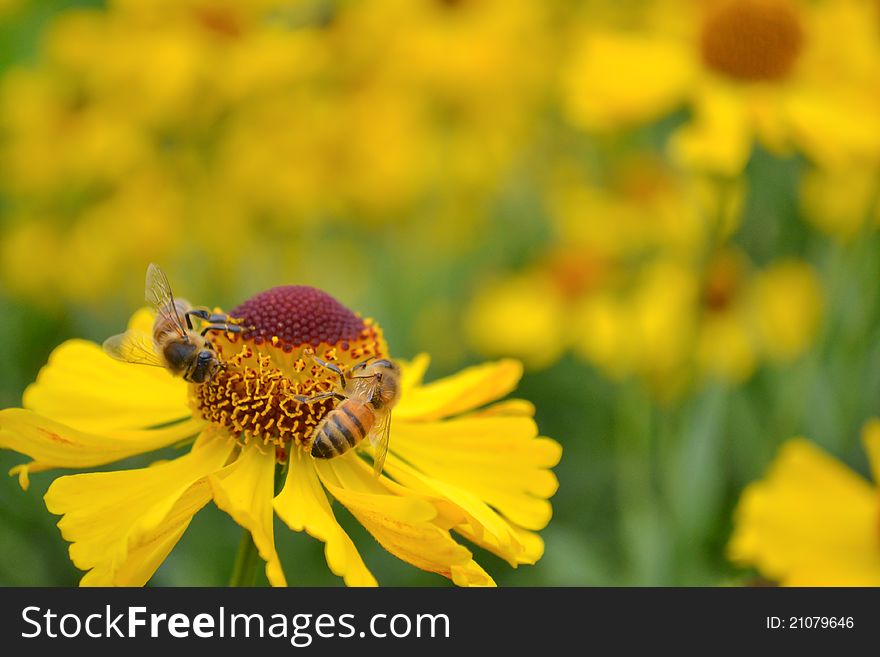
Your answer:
<point x="607" y="85"/>
<point x="841" y="201"/>
<point x="787" y="303"/>
<point x="454" y="463"/>
<point x="725" y="347"/>
<point x="355" y="113"/>
<point x="812" y="521"/>
<point x="642" y="206"/>
<point x="653" y="322"/>
<point x="771" y="314"/>
<point x="520" y="316"/>
<point x="673" y="323"/>
<point x="776" y="72"/>
<point x="769" y="71"/>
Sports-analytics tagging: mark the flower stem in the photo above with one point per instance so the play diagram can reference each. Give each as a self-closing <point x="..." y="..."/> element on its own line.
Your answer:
<point x="244" y="572"/>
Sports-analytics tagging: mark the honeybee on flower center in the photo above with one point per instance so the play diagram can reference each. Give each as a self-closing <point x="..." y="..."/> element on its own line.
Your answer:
<point x="366" y="396"/>
<point x="176" y="345"/>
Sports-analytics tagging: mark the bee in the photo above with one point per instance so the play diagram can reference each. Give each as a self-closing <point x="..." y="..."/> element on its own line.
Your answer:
<point x="367" y="396"/>
<point x="177" y="346"/>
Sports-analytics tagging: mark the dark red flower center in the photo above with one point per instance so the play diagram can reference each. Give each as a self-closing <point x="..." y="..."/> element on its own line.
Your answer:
<point x="298" y="315"/>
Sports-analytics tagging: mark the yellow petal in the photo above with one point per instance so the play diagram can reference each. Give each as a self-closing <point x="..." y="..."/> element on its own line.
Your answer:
<point x="412" y="372"/>
<point x="402" y="525"/>
<point x="871" y="441"/>
<point x="810" y="521"/>
<point x="464" y="391"/>
<point x="53" y="445"/>
<point x="725" y="348"/>
<point x="142" y="321"/>
<point x="838" y="201"/>
<point x="83" y="387"/>
<point x="244" y="489"/>
<point x="623" y="79"/>
<point x="533" y="544"/>
<point x="508" y="407"/>
<point x="123" y="524"/>
<point x="719" y="139"/>
<point x="788" y="300"/>
<point x="521" y="316"/>
<point x="496" y="458"/>
<point x="303" y="505"/>
<point x="834" y="129"/>
<point x="146" y="554"/>
<point x="479" y="523"/>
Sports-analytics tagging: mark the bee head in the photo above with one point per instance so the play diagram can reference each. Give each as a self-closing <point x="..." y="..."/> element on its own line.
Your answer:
<point x="376" y="366"/>
<point x="204" y="367"/>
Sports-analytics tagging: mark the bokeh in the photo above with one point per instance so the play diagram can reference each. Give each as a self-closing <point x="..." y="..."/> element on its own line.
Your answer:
<point x="667" y="210"/>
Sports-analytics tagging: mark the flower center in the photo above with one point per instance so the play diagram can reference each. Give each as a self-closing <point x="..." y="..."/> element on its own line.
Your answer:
<point x="219" y="21"/>
<point x="723" y="281"/>
<point x="266" y="366"/>
<point x="752" y="40"/>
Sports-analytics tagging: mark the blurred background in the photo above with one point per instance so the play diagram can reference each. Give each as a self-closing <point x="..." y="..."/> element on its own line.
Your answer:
<point x="668" y="210"/>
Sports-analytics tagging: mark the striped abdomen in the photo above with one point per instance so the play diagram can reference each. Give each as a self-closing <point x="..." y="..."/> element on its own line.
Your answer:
<point x="342" y="428"/>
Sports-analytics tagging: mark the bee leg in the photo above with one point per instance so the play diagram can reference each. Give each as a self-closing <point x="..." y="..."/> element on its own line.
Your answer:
<point x="201" y="313"/>
<point x="320" y="397"/>
<point x="332" y="368"/>
<point x="209" y="317"/>
<point x="220" y="318"/>
<point x="229" y="328"/>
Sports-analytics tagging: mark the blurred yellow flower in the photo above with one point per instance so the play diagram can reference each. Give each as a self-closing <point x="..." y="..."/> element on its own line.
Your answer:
<point x="726" y="346"/>
<point x="296" y="116"/>
<point x="644" y="329"/>
<point x="642" y="207"/>
<point x="522" y="316"/>
<point x="768" y="71"/>
<point x="775" y="72"/>
<point x="841" y="201"/>
<point x="811" y="521"/>
<point x="454" y="463"/>
<point x="666" y="321"/>
<point x="770" y="314"/>
<point x="787" y="308"/>
<point x="608" y="83"/>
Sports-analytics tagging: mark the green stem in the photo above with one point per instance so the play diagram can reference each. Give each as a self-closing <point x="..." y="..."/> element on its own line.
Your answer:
<point x="644" y="540"/>
<point x="247" y="561"/>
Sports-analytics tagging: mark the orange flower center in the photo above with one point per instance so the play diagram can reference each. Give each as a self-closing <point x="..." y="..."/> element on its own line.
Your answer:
<point x="222" y="22"/>
<point x="752" y="40"/>
<point x="723" y="282"/>
<point x="265" y="367"/>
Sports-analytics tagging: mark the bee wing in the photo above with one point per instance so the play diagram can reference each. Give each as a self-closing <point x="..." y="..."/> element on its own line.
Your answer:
<point x="379" y="439"/>
<point x="132" y="347"/>
<point x="157" y="292"/>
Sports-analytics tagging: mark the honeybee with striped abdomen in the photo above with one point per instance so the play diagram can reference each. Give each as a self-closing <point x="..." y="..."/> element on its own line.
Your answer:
<point x="177" y="346"/>
<point x="369" y="392"/>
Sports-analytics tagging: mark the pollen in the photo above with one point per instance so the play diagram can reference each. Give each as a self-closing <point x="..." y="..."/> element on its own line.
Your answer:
<point x="752" y="40"/>
<point x="271" y="362"/>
